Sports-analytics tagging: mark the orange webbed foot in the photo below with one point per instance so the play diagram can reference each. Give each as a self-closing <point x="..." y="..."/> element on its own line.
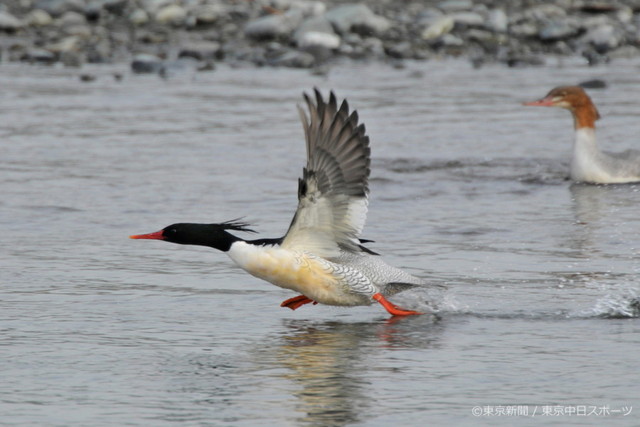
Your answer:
<point x="392" y="308"/>
<point x="296" y="302"/>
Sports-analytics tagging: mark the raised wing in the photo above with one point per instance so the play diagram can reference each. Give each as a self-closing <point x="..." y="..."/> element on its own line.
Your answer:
<point x="333" y="190"/>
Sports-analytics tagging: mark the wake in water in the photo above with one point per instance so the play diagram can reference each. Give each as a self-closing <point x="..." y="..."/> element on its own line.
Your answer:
<point x="622" y="305"/>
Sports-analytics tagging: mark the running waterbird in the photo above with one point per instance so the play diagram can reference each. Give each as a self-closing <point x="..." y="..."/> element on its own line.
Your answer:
<point x="589" y="164"/>
<point x="321" y="256"/>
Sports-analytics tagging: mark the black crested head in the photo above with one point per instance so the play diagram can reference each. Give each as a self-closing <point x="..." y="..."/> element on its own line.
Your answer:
<point x="237" y="225"/>
<point x="212" y="235"/>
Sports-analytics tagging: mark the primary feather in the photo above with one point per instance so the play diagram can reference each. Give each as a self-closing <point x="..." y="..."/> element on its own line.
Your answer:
<point x="333" y="190"/>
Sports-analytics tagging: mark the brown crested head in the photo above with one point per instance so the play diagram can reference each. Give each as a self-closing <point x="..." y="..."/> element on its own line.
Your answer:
<point x="574" y="99"/>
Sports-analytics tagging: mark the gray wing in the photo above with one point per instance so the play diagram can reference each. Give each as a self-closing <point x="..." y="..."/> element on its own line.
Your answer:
<point x="629" y="155"/>
<point x="333" y="190"/>
<point x="625" y="163"/>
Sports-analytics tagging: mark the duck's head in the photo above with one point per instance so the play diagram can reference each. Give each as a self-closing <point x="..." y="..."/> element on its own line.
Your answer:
<point x="572" y="98"/>
<point x="213" y="235"/>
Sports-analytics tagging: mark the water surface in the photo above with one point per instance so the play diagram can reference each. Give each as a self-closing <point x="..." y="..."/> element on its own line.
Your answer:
<point x="469" y="190"/>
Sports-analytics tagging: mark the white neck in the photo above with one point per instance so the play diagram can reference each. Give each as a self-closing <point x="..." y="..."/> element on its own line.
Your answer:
<point x="585" y="164"/>
<point x="585" y="141"/>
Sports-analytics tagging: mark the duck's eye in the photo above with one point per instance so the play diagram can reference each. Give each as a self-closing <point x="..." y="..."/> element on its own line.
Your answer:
<point x="172" y="231"/>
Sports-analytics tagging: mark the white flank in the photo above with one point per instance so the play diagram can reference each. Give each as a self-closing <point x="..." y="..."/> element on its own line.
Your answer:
<point x="589" y="164"/>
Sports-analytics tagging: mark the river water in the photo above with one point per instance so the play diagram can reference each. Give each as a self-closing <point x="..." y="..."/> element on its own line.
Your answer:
<point x="538" y="323"/>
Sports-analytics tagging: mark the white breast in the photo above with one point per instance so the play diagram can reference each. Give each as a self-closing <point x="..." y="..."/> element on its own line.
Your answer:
<point x="314" y="277"/>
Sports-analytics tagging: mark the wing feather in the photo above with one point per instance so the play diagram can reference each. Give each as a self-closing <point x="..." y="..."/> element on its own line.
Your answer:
<point x="333" y="191"/>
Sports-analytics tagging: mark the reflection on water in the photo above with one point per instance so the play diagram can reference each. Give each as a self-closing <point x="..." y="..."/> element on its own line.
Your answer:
<point x="326" y="360"/>
<point x="599" y="209"/>
<point x="329" y="362"/>
<point x="594" y="203"/>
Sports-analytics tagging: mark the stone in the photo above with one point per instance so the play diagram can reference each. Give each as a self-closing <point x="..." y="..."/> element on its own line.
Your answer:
<point x="603" y="38"/>
<point x="593" y="57"/>
<point x="438" y="28"/>
<point x="57" y="8"/>
<point x="268" y="27"/>
<point x="294" y="59"/>
<point x="139" y="17"/>
<point x="67" y="44"/>
<point x="545" y="12"/>
<point x="557" y="30"/>
<point x="497" y="21"/>
<point x="38" y="18"/>
<point x="206" y="66"/>
<point x="71" y="18"/>
<point x="152" y="37"/>
<point x="598" y="7"/>
<point x="625" y="15"/>
<point x="9" y="23"/>
<point x="71" y="59"/>
<point x="273" y="26"/>
<point x="116" y="7"/>
<point x="153" y="6"/>
<point x="38" y="55"/>
<point x="100" y="52"/>
<point x="145" y="63"/>
<point x="428" y="16"/>
<point x="455" y="5"/>
<point x="96" y="8"/>
<point x="594" y="21"/>
<point x="525" y="29"/>
<point x="357" y="18"/>
<point x="87" y="78"/>
<point x="200" y="50"/>
<point x="316" y="32"/>
<point x="278" y="4"/>
<point x="180" y="67"/>
<point x="402" y="50"/>
<point x="172" y="14"/>
<point x="373" y="45"/>
<point x="208" y="13"/>
<point x="314" y="39"/>
<point x="482" y="36"/>
<point x="316" y="23"/>
<point x="310" y="8"/>
<point x="624" y="52"/>
<point x="469" y="19"/>
<point x="82" y="31"/>
<point x="523" y="60"/>
<point x="449" y="40"/>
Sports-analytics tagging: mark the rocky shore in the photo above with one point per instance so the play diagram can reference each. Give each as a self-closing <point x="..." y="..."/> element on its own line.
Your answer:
<point x="309" y="33"/>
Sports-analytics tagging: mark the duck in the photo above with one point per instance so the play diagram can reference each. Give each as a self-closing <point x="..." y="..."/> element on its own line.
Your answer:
<point x="589" y="164"/>
<point x="321" y="256"/>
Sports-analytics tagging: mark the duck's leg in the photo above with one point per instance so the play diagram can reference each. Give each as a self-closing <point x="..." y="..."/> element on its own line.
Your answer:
<point x="392" y="308"/>
<point x="296" y="302"/>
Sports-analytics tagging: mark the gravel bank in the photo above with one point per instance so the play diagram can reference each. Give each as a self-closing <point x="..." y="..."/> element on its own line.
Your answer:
<point x="309" y="34"/>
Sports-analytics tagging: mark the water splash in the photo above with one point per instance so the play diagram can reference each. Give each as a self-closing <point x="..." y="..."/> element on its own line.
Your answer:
<point x="432" y="300"/>
<point x="617" y="306"/>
